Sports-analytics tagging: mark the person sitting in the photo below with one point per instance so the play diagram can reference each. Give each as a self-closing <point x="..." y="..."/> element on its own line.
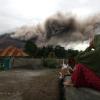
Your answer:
<point x="87" y="68"/>
<point x="65" y="70"/>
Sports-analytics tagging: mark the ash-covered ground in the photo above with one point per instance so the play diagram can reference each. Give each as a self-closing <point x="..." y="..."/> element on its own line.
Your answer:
<point x="29" y="85"/>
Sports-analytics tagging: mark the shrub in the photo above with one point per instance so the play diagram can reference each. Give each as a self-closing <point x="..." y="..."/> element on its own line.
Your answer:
<point x="1" y="67"/>
<point x="49" y="63"/>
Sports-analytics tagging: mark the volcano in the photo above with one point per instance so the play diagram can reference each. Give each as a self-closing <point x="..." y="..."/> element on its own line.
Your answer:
<point x="6" y="40"/>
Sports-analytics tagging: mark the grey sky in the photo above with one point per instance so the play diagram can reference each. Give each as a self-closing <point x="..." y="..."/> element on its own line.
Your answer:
<point x="15" y="13"/>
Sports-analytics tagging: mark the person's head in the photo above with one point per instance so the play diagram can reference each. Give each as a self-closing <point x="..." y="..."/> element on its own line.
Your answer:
<point x="71" y="62"/>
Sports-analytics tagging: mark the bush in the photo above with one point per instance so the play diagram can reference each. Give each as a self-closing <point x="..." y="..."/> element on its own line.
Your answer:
<point x="49" y="63"/>
<point x="1" y="67"/>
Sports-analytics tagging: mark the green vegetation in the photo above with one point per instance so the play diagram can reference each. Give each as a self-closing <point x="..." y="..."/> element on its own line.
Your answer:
<point x="48" y="51"/>
<point x="30" y="48"/>
<point x="1" y="67"/>
<point x="49" y="63"/>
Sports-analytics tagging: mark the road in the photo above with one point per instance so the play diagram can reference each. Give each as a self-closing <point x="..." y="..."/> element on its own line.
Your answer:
<point x="29" y="85"/>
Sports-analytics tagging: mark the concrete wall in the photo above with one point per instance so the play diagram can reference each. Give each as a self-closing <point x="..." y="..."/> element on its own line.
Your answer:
<point x="28" y="63"/>
<point x="31" y="63"/>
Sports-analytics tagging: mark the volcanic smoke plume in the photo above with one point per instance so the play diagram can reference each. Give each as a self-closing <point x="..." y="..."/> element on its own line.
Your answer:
<point x="60" y="28"/>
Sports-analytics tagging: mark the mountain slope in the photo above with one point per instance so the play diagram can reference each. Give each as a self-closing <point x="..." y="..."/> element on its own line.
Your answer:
<point x="6" y="40"/>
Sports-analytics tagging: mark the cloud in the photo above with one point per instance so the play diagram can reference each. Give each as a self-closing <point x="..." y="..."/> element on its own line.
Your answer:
<point x="15" y="13"/>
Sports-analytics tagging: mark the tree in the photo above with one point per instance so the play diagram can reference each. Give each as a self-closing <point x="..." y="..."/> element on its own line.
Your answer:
<point x="60" y="52"/>
<point x="31" y="48"/>
<point x="51" y="55"/>
<point x="71" y="53"/>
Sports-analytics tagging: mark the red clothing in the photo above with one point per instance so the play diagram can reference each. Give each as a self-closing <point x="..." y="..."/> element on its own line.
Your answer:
<point x="84" y="77"/>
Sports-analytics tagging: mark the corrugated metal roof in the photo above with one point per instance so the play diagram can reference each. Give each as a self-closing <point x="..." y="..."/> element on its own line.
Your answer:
<point x="12" y="51"/>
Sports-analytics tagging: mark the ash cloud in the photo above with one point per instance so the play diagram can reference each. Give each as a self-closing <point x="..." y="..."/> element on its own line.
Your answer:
<point x="60" y="28"/>
<point x="60" y="25"/>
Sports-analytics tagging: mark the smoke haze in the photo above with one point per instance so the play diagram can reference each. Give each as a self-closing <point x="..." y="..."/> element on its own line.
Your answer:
<point x="60" y="28"/>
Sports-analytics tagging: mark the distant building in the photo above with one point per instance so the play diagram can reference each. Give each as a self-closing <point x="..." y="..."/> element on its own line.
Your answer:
<point x="12" y="52"/>
<point x="7" y="56"/>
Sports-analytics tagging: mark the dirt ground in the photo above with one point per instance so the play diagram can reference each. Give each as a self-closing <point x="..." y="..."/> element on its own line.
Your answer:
<point x="29" y="85"/>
